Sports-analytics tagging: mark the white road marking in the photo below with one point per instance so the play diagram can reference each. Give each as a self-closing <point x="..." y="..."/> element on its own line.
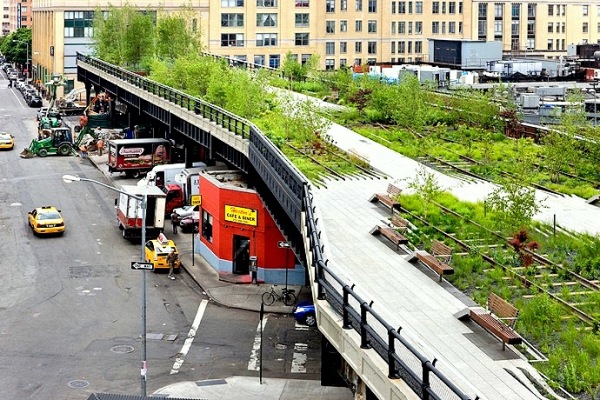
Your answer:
<point x="301" y="327"/>
<point x="299" y="358"/>
<point x="190" y="337"/>
<point x="253" y="364"/>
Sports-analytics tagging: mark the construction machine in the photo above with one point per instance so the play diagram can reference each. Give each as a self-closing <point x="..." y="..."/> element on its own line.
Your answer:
<point x="56" y="141"/>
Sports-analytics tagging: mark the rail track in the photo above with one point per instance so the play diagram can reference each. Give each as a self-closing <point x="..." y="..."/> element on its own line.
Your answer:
<point x="571" y="290"/>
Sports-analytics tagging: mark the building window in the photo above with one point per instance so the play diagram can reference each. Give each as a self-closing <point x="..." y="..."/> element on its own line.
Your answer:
<point x="302" y="3"/>
<point x="481" y="28"/>
<point x="452" y="28"/>
<point x="329" y="48"/>
<point x="232" y="3"/>
<point x="516" y="11"/>
<point x="550" y="44"/>
<point x="530" y="44"/>
<point x="372" y="26"/>
<point x="358" y="5"/>
<point x="344" y="26"/>
<point x="372" y="6"/>
<point x="563" y="27"/>
<point x="343" y="62"/>
<point x="301" y="39"/>
<point x="586" y="10"/>
<point x="410" y="28"/>
<point x="531" y="10"/>
<point x="302" y="20"/>
<point x="514" y="44"/>
<point x="330" y="26"/>
<point x="514" y="28"/>
<point x="530" y="27"/>
<point x="409" y="47"/>
<point x="452" y="7"/>
<point x="460" y="28"/>
<point x="598" y="27"/>
<point x="419" y="27"/>
<point x="443" y="7"/>
<point x="266" y="39"/>
<point x="402" y="7"/>
<point x="343" y="47"/>
<point x="266" y="19"/>
<point x="358" y="61"/>
<point x="358" y="26"/>
<point x="584" y="27"/>
<point x="232" y="20"/>
<point x="550" y="10"/>
<point x="393" y="48"/>
<point x="419" y="7"/>
<point x="402" y="27"/>
<point x="460" y="7"/>
<point x="207" y="226"/>
<point x="497" y="28"/>
<point x="393" y="7"/>
<point x="498" y="9"/>
<point x="550" y="27"/>
<point x="418" y="47"/>
<point x="372" y="48"/>
<point x="274" y="61"/>
<point x="78" y="23"/>
<point x="266" y="3"/>
<point x="482" y="11"/>
<point x="259" y="59"/>
<point x="393" y="27"/>
<point x="329" y="64"/>
<point x="344" y="5"/>
<point x="402" y="47"/>
<point x="330" y="6"/>
<point x="443" y="27"/>
<point x="435" y="27"/>
<point x="358" y="47"/>
<point x="435" y="7"/>
<point x="232" y="39"/>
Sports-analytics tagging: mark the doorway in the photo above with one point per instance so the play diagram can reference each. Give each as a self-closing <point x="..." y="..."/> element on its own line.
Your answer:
<point x="241" y="255"/>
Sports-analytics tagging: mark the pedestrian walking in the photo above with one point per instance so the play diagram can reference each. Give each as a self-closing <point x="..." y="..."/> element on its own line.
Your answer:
<point x="174" y="221"/>
<point x="100" y="146"/>
<point x="172" y="259"/>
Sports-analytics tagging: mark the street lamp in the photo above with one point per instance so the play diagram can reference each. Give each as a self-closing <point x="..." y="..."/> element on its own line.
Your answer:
<point x="143" y="201"/>
<point x="285" y="245"/>
<point x="27" y="55"/>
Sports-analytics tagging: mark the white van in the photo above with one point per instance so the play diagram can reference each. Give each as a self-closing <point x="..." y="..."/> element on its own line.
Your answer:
<point x="164" y="174"/>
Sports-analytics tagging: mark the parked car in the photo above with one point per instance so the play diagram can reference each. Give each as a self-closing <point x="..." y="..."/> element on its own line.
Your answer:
<point x="46" y="220"/>
<point x="35" y="101"/>
<point x="7" y="141"/>
<point x="185" y="211"/>
<point x="191" y="223"/>
<point x="304" y="313"/>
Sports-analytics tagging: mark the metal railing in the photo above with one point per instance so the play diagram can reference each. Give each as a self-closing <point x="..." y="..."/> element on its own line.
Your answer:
<point x="293" y="194"/>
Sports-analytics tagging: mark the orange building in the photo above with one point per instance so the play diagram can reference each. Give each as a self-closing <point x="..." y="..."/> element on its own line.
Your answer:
<point x="237" y="232"/>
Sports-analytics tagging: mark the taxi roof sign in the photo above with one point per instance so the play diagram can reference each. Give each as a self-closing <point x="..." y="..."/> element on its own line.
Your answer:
<point x="162" y="238"/>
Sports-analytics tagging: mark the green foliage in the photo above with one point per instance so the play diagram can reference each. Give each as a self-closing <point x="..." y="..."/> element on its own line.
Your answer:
<point x="294" y="71"/>
<point x="540" y="317"/>
<point x="175" y="34"/>
<point x="14" y="46"/>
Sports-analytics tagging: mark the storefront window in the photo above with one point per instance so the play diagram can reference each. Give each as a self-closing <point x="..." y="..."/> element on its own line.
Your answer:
<point x="207" y="226"/>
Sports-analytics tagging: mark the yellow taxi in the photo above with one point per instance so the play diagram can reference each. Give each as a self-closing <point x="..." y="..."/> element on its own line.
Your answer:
<point x="157" y="250"/>
<point x="46" y="220"/>
<point x="7" y="141"/>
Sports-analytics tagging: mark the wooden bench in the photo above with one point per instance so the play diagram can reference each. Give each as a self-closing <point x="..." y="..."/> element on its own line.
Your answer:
<point x="433" y="263"/>
<point x="499" y="321"/>
<point x="391" y="234"/>
<point x="399" y="223"/>
<point x="441" y="251"/>
<point x="388" y="199"/>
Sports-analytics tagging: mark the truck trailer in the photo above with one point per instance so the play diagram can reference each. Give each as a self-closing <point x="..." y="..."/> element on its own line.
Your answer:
<point x="129" y="211"/>
<point x="137" y="156"/>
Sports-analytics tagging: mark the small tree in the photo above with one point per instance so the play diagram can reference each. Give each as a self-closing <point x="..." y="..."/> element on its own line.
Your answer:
<point x="426" y="186"/>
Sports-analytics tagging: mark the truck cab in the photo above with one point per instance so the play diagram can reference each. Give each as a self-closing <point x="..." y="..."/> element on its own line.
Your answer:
<point x="175" y="197"/>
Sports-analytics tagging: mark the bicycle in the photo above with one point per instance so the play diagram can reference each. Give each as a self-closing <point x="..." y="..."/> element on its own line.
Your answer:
<point x="287" y="296"/>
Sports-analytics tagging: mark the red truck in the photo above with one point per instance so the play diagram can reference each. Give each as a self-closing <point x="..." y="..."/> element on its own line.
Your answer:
<point x="137" y="156"/>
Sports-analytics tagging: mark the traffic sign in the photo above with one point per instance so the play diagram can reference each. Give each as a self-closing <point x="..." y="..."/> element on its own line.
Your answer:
<point x="142" y="265"/>
<point x="283" y="245"/>
<point x="196" y="200"/>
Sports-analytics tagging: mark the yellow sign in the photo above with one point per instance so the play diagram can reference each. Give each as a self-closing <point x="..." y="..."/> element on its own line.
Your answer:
<point x="246" y="216"/>
<point x="196" y="200"/>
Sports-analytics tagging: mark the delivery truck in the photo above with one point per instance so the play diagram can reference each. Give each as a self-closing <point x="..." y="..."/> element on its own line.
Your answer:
<point x="129" y="211"/>
<point x="135" y="157"/>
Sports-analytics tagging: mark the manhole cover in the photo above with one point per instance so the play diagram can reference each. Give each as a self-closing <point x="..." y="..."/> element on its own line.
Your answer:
<point x="78" y="384"/>
<point x="122" y="349"/>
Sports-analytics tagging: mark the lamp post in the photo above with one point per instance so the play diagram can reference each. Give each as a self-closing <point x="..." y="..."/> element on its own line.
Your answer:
<point x="26" y="55"/>
<point x="143" y="202"/>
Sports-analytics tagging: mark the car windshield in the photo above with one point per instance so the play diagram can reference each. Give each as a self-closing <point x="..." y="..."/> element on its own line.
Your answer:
<point x="49" y="215"/>
<point x="4" y="136"/>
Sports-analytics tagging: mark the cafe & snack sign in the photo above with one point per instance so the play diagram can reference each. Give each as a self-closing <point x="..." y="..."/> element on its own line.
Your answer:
<point x="240" y="215"/>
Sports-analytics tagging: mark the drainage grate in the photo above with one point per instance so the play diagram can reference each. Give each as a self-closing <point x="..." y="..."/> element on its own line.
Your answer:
<point x="212" y="382"/>
<point x="78" y="384"/>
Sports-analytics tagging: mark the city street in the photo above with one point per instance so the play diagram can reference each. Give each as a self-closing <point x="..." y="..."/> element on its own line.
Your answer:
<point x="70" y="306"/>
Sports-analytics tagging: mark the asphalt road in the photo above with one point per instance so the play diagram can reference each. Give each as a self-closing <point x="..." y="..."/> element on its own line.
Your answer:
<point x="70" y="306"/>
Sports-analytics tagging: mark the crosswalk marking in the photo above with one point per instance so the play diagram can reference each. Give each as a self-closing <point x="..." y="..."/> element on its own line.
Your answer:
<point x="190" y="338"/>
<point x="299" y="358"/>
<point x="254" y="364"/>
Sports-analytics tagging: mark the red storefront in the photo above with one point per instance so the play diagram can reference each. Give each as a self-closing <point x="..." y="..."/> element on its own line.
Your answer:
<point x="236" y="229"/>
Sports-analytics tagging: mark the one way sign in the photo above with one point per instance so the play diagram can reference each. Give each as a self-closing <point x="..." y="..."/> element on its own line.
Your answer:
<point x="142" y="265"/>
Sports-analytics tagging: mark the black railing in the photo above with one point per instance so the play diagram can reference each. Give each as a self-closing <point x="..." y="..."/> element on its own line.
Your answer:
<point x="292" y="191"/>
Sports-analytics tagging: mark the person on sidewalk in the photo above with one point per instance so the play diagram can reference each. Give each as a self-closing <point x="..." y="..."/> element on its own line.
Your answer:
<point x="172" y="259"/>
<point x="100" y="146"/>
<point x="174" y="221"/>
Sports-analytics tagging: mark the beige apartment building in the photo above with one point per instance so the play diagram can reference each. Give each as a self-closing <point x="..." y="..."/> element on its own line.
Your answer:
<point x="341" y="32"/>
